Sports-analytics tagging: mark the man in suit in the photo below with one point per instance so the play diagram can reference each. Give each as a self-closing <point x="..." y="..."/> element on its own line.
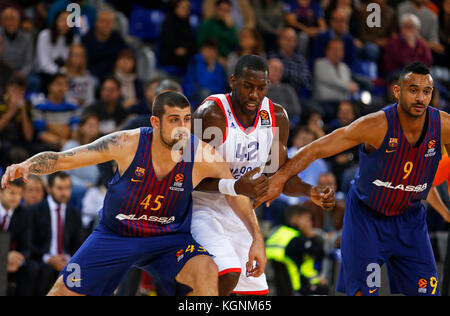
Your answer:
<point x="57" y="231"/>
<point x="15" y="220"/>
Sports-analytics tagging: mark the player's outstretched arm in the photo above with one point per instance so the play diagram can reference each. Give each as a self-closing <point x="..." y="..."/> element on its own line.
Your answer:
<point x="114" y="146"/>
<point x="323" y="196"/>
<point x="370" y="129"/>
<point x="210" y="164"/>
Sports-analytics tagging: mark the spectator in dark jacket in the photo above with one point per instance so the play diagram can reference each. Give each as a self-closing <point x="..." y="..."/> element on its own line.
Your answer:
<point x="57" y="231"/>
<point x="204" y="76"/>
<point x="15" y="220"/>
<point x="103" y="44"/>
<point x="177" y="36"/>
<point x="296" y="71"/>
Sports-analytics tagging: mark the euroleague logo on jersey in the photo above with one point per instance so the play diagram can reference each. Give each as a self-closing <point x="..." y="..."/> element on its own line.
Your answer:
<point x="178" y="181"/>
<point x="265" y="118"/>
<point x="431" y="149"/>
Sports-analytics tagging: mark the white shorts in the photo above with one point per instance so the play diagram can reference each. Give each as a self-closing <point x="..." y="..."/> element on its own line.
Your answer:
<point x="229" y="242"/>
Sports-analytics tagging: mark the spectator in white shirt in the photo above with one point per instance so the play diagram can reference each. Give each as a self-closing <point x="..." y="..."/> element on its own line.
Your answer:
<point x="82" y="84"/>
<point x="52" y="48"/>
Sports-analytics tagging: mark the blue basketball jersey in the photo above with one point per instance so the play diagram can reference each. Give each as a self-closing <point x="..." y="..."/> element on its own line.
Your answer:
<point x="138" y="204"/>
<point x="397" y="176"/>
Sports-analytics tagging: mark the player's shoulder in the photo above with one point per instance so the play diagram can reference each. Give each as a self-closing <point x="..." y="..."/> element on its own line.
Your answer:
<point x="375" y="120"/>
<point x="445" y="117"/>
<point x="280" y="113"/>
<point x="209" y="109"/>
<point x="130" y="137"/>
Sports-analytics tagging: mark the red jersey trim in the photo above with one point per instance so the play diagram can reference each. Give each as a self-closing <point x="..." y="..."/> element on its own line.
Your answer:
<point x="274" y="122"/>
<point x="226" y="271"/>
<point x="263" y="292"/>
<point x="219" y="103"/>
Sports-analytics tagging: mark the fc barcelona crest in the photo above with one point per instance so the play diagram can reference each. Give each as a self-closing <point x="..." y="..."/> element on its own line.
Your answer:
<point x="393" y="142"/>
<point x="139" y="172"/>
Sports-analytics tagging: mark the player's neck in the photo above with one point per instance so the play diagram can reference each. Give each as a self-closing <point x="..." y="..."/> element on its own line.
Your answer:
<point x="162" y="155"/>
<point x="412" y="126"/>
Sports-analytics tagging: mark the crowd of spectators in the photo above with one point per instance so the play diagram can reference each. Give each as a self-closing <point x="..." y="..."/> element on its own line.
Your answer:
<point x="63" y="86"/>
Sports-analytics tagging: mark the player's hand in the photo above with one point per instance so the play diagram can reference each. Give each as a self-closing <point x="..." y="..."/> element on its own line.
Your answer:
<point x="252" y="187"/>
<point x="324" y="196"/>
<point x="256" y="258"/>
<point x="14" y="172"/>
<point x="276" y="185"/>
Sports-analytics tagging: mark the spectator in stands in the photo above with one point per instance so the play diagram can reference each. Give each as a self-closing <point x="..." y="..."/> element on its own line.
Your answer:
<point x="86" y="133"/>
<point x="15" y="220"/>
<point x="378" y="35"/>
<point x="103" y="44"/>
<point x="17" y="45"/>
<point x="308" y="19"/>
<point x="221" y="28"/>
<point x="283" y="93"/>
<point x="131" y="87"/>
<point x="269" y="21"/>
<point x="34" y="190"/>
<point x="242" y="13"/>
<point x="429" y="30"/>
<point x="52" y="48"/>
<point x="314" y="120"/>
<point x="81" y="83"/>
<point x="346" y="113"/>
<point x="6" y="70"/>
<point x="354" y="16"/>
<point x="406" y="47"/>
<point x="333" y="78"/>
<point x="297" y="246"/>
<point x="339" y="29"/>
<point x="16" y="127"/>
<point x="178" y="39"/>
<point x="303" y="137"/>
<point x="109" y="108"/>
<point x="143" y="120"/>
<point x="250" y="43"/>
<point x="57" y="231"/>
<point x="444" y="32"/>
<point x="144" y="108"/>
<point x="204" y="76"/>
<point x="296" y="71"/>
<point x="88" y="13"/>
<point x="55" y="119"/>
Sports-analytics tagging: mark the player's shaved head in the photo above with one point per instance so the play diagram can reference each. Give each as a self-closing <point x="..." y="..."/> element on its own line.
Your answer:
<point x="250" y="62"/>
<point x="170" y="99"/>
<point x="415" y="68"/>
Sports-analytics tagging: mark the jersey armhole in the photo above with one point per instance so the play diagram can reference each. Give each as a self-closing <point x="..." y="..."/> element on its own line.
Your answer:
<point x="222" y="108"/>
<point x="274" y="122"/>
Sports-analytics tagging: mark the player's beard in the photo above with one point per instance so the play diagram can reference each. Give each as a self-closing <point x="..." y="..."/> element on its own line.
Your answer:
<point x="408" y="109"/>
<point x="174" y="140"/>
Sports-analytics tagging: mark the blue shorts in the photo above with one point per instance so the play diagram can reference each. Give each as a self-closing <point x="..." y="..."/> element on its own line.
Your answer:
<point x="370" y="239"/>
<point x="99" y="265"/>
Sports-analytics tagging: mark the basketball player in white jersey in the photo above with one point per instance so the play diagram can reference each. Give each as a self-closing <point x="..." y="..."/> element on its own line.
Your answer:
<point x="249" y="126"/>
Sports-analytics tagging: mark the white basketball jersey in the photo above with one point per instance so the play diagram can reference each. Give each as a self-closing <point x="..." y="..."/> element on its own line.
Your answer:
<point x="243" y="149"/>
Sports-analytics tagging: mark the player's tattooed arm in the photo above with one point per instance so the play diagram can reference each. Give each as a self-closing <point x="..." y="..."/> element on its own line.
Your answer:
<point x="107" y="148"/>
